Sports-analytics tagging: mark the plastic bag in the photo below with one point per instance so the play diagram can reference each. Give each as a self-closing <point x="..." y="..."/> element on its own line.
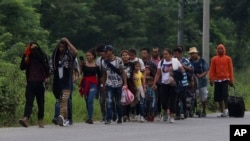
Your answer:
<point x="127" y="96"/>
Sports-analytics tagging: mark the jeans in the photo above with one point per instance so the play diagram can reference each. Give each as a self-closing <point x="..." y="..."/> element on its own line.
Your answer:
<point x="113" y="93"/>
<point x="140" y="107"/>
<point x="90" y="100"/>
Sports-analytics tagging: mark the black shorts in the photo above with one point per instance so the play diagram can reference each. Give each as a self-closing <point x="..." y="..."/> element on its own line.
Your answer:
<point x="221" y="91"/>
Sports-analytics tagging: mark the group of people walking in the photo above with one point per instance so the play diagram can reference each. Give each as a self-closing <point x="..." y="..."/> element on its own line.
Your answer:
<point x="158" y="81"/>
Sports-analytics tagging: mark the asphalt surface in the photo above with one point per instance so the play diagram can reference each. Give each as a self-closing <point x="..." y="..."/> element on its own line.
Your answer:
<point x="210" y="128"/>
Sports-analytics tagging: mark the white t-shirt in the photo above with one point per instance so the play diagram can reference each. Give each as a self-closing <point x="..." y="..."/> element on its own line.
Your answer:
<point x="166" y="68"/>
<point x="142" y="66"/>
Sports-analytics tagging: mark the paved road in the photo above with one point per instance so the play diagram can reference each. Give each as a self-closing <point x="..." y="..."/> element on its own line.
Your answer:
<point x="191" y="129"/>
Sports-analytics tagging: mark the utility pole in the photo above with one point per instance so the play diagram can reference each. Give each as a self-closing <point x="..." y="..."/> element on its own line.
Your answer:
<point x="205" y="32"/>
<point x="180" y="23"/>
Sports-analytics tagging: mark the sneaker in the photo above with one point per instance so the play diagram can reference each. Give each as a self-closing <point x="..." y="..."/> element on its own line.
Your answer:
<point x="55" y="121"/>
<point x="137" y="118"/>
<point x="89" y="121"/>
<point x="125" y="118"/>
<point x="107" y="122"/>
<point x="158" y="117"/>
<point x="177" y="118"/>
<point x="70" y="122"/>
<point x="223" y="115"/>
<point x="114" y="117"/>
<point x="66" y="123"/>
<point x="142" y="119"/>
<point x="171" y="120"/>
<point x="103" y="119"/>
<point x="119" y="121"/>
<point x="182" y="116"/>
<point x="203" y="114"/>
<point x="60" y="120"/>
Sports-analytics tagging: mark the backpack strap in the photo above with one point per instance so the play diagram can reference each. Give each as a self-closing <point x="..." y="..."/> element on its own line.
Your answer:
<point x="112" y="67"/>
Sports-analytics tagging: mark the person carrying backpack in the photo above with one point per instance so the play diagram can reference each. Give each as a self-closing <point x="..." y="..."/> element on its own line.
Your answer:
<point x="200" y="71"/>
<point x="114" y="77"/>
<point x="168" y="68"/>
<point x="181" y="94"/>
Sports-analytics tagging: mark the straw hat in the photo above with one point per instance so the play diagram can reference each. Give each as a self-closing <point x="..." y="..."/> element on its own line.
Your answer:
<point x="193" y="50"/>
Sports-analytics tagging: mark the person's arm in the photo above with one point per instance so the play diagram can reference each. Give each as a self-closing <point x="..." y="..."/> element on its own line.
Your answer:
<point x="211" y="73"/>
<point x="231" y="73"/>
<point x="124" y="77"/>
<point x="143" y="82"/>
<point x="157" y="76"/>
<point x="71" y="47"/>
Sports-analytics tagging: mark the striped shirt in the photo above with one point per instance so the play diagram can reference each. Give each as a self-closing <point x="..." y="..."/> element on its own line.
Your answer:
<point x="187" y="63"/>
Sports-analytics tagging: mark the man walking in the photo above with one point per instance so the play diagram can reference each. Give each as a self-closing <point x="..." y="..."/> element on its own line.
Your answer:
<point x="221" y="75"/>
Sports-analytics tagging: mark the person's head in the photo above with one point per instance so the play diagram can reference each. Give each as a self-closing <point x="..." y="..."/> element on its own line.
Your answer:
<point x="148" y="71"/>
<point x="149" y="81"/>
<point x="100" y="50"/>
<point x="167" y="54"/>
<point x="194" y="54"/>
<point x="33" y="45"/>
<point x="90" y="55"/>
<point x="177" y="52"/>
<point x="108" y="49"/>
<point x="136" y="66"/>
<point x="62" y="46"/>
<point x="221" y="50"/>
<point x="125" y="55"/>
<point x="155" y="52"/>
<point x="145" y="53"/>
<point x="132" y="53"/>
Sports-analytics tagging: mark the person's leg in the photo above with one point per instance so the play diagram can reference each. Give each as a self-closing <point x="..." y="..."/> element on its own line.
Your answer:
<point x="70" y="109"/>
<point x="158" y="97"/>
<point x="57" y="94"/>
<point x="225" y="96"/>
<point x="40" y="89"/>
<point x="172" y="103"/>
<point x="63" y="117"/>
<point x="164" y="101"/>
<point x="184" y="101"/>
<point x="90" y="101"/>
<point x="178" y="106"/>
<point x="117" y="97"/>
<point x="218" y="96"/>
<point x="142" y="109"/>
<point x="29" y="99"/>
<point x="204" y="93"/>
<point x="102" y="101"/>
<point x="109" y="104"/>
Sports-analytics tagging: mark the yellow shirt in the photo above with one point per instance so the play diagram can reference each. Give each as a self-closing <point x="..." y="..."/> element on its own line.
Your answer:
<point x="138" y="78"/>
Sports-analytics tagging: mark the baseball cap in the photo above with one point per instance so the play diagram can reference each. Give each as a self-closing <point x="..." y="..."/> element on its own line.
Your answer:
<point x="108" y="48"/>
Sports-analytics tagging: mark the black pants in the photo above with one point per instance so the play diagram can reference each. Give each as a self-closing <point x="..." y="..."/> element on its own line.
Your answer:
<point x="181" y="98"/>
<point x="34" y="90"/>
<point x="168" y="97"/>
<point x="158" y="99"/>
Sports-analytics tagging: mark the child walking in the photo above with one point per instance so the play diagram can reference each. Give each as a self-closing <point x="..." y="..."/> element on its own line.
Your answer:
<point x="139" y="82"/>
<point x="150" y="98"/>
